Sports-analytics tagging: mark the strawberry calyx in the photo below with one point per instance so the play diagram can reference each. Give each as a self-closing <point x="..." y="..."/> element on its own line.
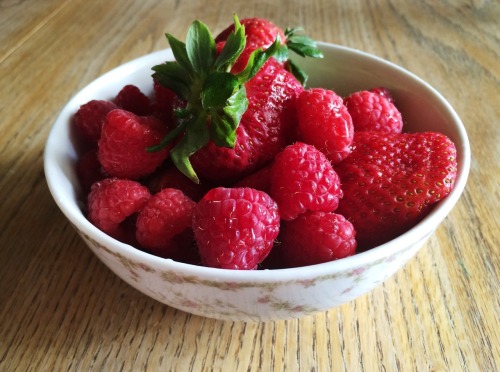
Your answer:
<point x="300" y="44"/>
<point x="216" y="98"/>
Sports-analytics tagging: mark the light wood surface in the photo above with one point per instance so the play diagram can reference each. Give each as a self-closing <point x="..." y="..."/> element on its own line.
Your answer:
<point x="62" y="310"/>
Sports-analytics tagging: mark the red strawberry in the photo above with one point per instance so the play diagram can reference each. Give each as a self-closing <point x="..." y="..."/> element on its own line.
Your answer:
<point x="112" y="201"/>
<point x="317" y="237"/>
<point x="373" y="110"/>
<point x="303" y="179"/>
<point x="265" y="128"/>
<point x="325" y="123"/>
<point x="234" y="122"/>
<point x="391" y="181"/>
<point x="260" y="33"/>
<point x="124" y="141"/>
<point x="131" y="98"/>
<point x="235" y="227"/>
<point x="90" y="117"/>
<point x="166" y="215"/>
<point x="165" y="103"/>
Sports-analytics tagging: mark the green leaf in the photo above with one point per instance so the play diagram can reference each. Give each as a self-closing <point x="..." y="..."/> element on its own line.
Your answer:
<point x="226" y="121"/>
<point x="168" y="138"/>
<point x="234" y="45"/>
<point x="195" y="137"/>
<point x="180" y="53"/>
<point x="256" y="60"/>
<point x="218" y="87"/>
<point x="200" y="47"/>
<point x="304" y="46"/>
<point x="175" y="77"/>
<point x="299" y="74"/>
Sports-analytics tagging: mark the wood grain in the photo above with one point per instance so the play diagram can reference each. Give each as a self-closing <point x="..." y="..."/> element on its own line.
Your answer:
<point x="61" y="309"/>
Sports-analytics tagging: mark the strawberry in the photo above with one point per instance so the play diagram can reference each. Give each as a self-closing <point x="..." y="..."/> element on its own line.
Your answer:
<point x="303" y="179"/>
<point x="261" y="33"/>
<point x="233" y="122"/>
<point x="374" y="110"/>
<point x="124" y="139"/>
<point x="235" y="228"/>
<point x="324" y="122"/>
<point x="265" y="128"/>
<point x="392" y="180"/>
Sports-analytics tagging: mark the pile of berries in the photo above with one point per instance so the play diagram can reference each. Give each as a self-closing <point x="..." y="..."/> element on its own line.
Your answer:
<point x="254" y="170"/>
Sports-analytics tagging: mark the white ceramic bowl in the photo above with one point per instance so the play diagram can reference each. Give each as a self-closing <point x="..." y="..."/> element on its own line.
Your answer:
<point x="267" y="294"/>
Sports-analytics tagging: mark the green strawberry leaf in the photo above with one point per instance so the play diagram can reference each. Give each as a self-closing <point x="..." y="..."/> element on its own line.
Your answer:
<point x="225" y="121"/>
<point x="234" y="45"/>
<point x="175" y="77"/>
<point x="256" y="60"/>
<point x="200" y="47"/>
<point x="180" y="53"/>
<point x="218" y="87"/>
<point x="299" y="74"/>
<point x="193" y="139"/>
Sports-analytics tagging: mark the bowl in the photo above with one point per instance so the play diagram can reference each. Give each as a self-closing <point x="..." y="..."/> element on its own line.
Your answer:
<point x="264" y="294"/>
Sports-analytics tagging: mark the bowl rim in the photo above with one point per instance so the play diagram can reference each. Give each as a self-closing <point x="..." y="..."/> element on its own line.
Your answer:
<point x="419" y="232"/>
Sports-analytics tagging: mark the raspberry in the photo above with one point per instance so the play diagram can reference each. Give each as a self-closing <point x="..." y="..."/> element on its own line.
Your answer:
<point x="303" y="179"/>
<point x="173" y="178"/>
<point x="325" y="123"/>
<point x="124" y="140"/>
<point x="382" y="91"/>
<point x="89" y="169"/>
<point x="373" y="111"/>
<point x="90" y="117"/>
<point x="317" y="237"/>
<point x="113" y="200"/>
<point x="166" y="215"/>
<point x="260" y="180"/>
<point x="235" y="227"/>
<point x="131" y="98"/>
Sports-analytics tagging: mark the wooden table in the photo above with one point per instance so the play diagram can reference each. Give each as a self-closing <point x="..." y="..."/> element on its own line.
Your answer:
<point x="62" y="310"/>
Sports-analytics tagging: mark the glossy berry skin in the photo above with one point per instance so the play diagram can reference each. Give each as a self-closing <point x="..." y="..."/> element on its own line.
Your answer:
<point x="90" y="117"/>
<point x="111" y="201"/>
<point x="123" y="143"/>
<point x="166" y="215"/>
<point x="265" y="128"/>
<point x="302" y="179"/>
<point x="235" y="228"/>
<point x="317" y="237"/>
<point x="324" y="122"/>
<point x="260" y="33"/>
<point x="391" y="181"/>
<point x="131" y="98"/>
<point x="374" y="111"/>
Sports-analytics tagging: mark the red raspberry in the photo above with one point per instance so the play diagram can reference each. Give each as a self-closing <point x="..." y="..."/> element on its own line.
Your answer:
<point x="235" y="227"/>
<point x="166" y="215"/>
<point x="131" y="98"/>
<point x="317" y="237"/>
<point x="175" y="179"/>
<point x="113" y="200"/>
<point x="260" y="180"/>
<point x="325" y="123"/>
<point x="373" y="111"/>
<point x="165" y="102"/>
<point x="90" y="117"/>
<point x="303" y="179"/>
<point x="382" y="91"/>
<point x="123" y="143"/>
<point x="89" y="169"/>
